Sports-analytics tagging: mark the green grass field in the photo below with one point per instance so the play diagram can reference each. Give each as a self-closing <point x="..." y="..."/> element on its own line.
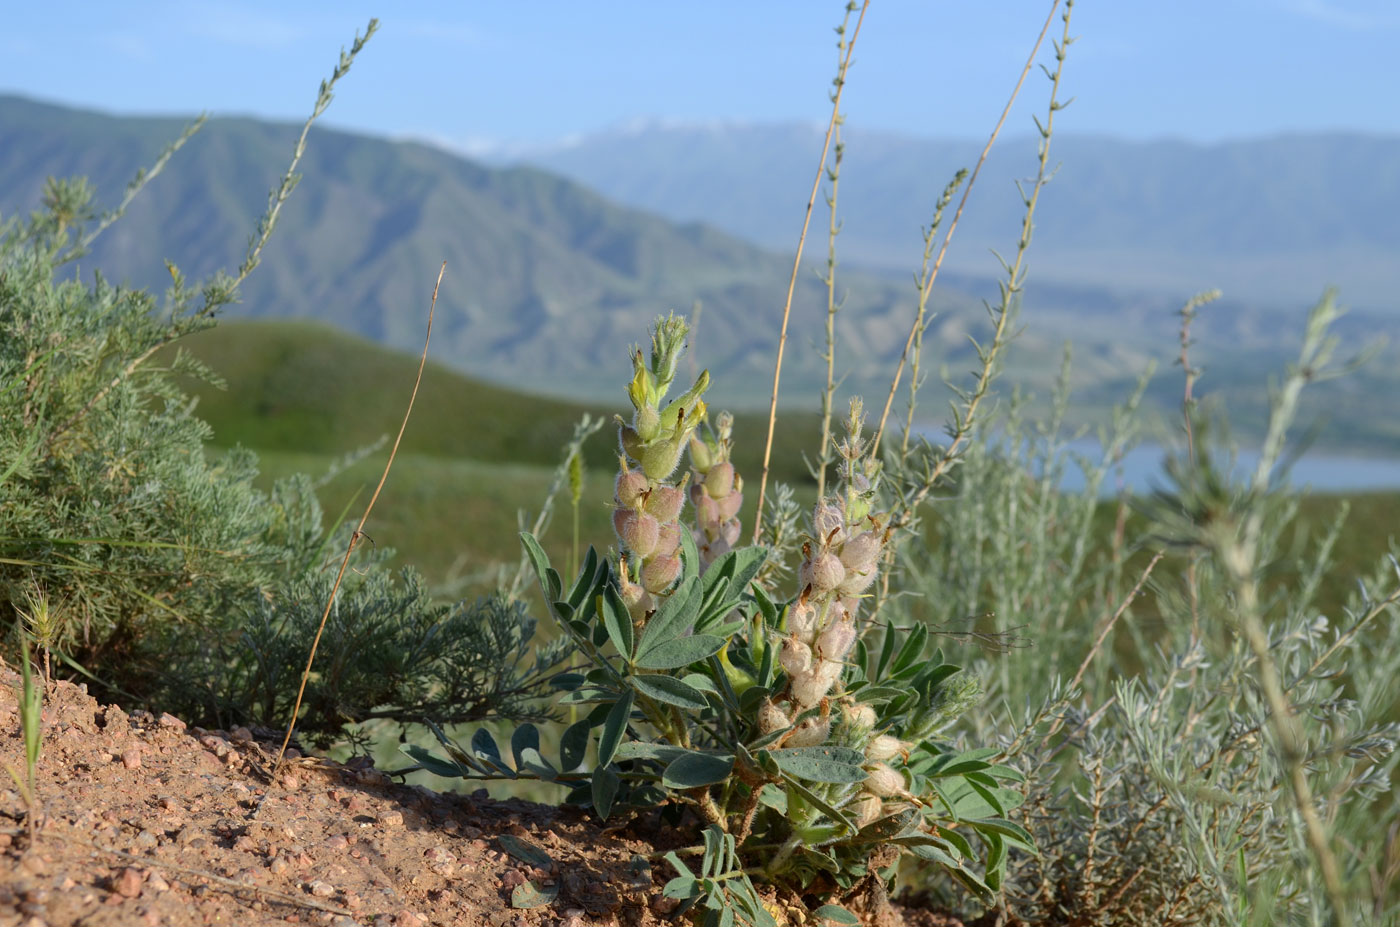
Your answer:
<point x="477" y="457"/>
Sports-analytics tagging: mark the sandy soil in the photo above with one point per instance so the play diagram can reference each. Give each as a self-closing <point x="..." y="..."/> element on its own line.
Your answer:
<point x="148" y="822"/>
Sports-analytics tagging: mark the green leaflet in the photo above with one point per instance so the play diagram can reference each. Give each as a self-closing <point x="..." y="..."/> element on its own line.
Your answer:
<point x="694" y="769"/>
<point x="681" y="652"/>
<point x="673" y="619"/>
<point x="821" y="764"/>
<point x="613" y="728"/>
<point x="670" y="690"/>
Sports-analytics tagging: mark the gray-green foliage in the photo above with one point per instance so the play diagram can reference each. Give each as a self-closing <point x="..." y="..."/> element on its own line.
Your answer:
<point x="1161" y="787"/>
<point x="166" y="572"/>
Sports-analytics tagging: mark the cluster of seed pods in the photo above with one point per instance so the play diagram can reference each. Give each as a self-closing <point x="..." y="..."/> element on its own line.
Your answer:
<point x="647" y="500"/>
<point x="840" y="563"/>
<point x="716" y="491"/>
<point x="647" y="522"/>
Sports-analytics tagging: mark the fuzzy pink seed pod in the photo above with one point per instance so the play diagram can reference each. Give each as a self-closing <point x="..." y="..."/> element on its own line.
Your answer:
<point x="729" y="505"/>
<point x="630" y="486"/>
<point x="638" y="531"/>
<point x="862" y="551"/>
<point x="729" y="532"/>
<point x="771" y="718"/>
<point x="822" y="572"/>
<point x="665" y="502"/>
<point x="711" y="551"/>
<point x="884" y="781"/>
<point x="802" y="621"/>
<point x="812" y="686"/>
<point x="637" y="599"/>
<point x="720" y="480"/>
<point x="866" y="809"/>
<point x="836" y="641"/>
<point x="706" y="511"/>
<point x="812" y="732"/>
<point x="668" y="538"/>
<point x="883" y="748"/>
<point x="795" y="656"/>
<point x="660" y="573"/>
<point x="828" y="523"/>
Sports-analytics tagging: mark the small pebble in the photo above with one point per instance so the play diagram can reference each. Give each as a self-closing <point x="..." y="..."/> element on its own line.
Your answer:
<point x="172" y="722"/>
<point x="391" y="819"/>
<point x="320" y="889"/>
<point x="128" y="884"/>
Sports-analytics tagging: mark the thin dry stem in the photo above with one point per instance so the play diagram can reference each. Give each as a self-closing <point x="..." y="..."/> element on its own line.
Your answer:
<point x="265" y="226"/>
<point x="797" y="262"/>
<point x="953" y="226"/>
<point x="1015" y="280"/>
<point x="359" y="532"/>
<point x="832" y="306"/>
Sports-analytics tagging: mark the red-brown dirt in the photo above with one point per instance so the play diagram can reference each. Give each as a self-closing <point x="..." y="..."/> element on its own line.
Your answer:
<point x="147" y="822"/>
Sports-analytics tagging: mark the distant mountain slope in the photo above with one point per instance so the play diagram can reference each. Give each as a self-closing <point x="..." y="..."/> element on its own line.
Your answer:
<point x="547" y="283"/>
<point x="1270" y="220"/>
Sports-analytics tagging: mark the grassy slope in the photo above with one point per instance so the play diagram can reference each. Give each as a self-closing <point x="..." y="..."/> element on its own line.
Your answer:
<point x="304" y="395"/>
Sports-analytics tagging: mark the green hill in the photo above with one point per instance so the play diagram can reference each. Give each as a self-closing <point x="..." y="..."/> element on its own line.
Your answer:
<point x="309" y="388"/>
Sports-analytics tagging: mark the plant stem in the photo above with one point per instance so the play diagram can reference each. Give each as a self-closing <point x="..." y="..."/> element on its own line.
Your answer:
<point x="797" y="258"/>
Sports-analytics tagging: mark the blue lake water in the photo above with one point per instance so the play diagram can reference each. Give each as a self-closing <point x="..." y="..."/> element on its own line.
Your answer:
<point x="1141" y="470"/>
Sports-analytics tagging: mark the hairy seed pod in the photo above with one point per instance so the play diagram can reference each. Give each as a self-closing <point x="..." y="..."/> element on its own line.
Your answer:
<point x="665" y="502"/>
<point x="713" y="550"/>
<point x="660" y="573"/>
<point x="729" y="532"/>
<point x="701" y="456"/>
<point x="866" y="809"/>
<point x="884" y="781"/>
<point x="638" y="531"/>
<point x="811" y="732"/>
<point x="720" y="480"/>
<point x="823" y="572"/>
<point x="802" y="621"/>
<point x="771" y="718"/>
<point x="883" y="748"/>
<point x="828" y="523"/>
<point x="729" y="505"/>
<point x="857" y="581"/>
<point x="836" y="641"/>
<point x="668" y="538"/>
<point x="632" y="444"/>
<point x="862" y="552"/>
<point x="647" y="422"/>
<point x="706" y="511"/>
<point x="637" y="599"/>
<point x="630" y="486"/>
<point x="812" y="686"/>
<point x="659" y="459"/>
<point x="859" y="716"/>
<point x="794" y="656"/>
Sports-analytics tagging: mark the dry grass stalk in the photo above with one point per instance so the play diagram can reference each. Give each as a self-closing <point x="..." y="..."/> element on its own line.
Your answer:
<point x="359" y="532"/>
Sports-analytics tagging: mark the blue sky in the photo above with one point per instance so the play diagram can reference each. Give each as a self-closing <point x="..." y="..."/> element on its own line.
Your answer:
<point x="471" y="73"/>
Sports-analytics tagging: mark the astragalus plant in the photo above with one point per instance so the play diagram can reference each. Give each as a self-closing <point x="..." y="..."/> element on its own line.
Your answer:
<point x="808" y="755"/>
